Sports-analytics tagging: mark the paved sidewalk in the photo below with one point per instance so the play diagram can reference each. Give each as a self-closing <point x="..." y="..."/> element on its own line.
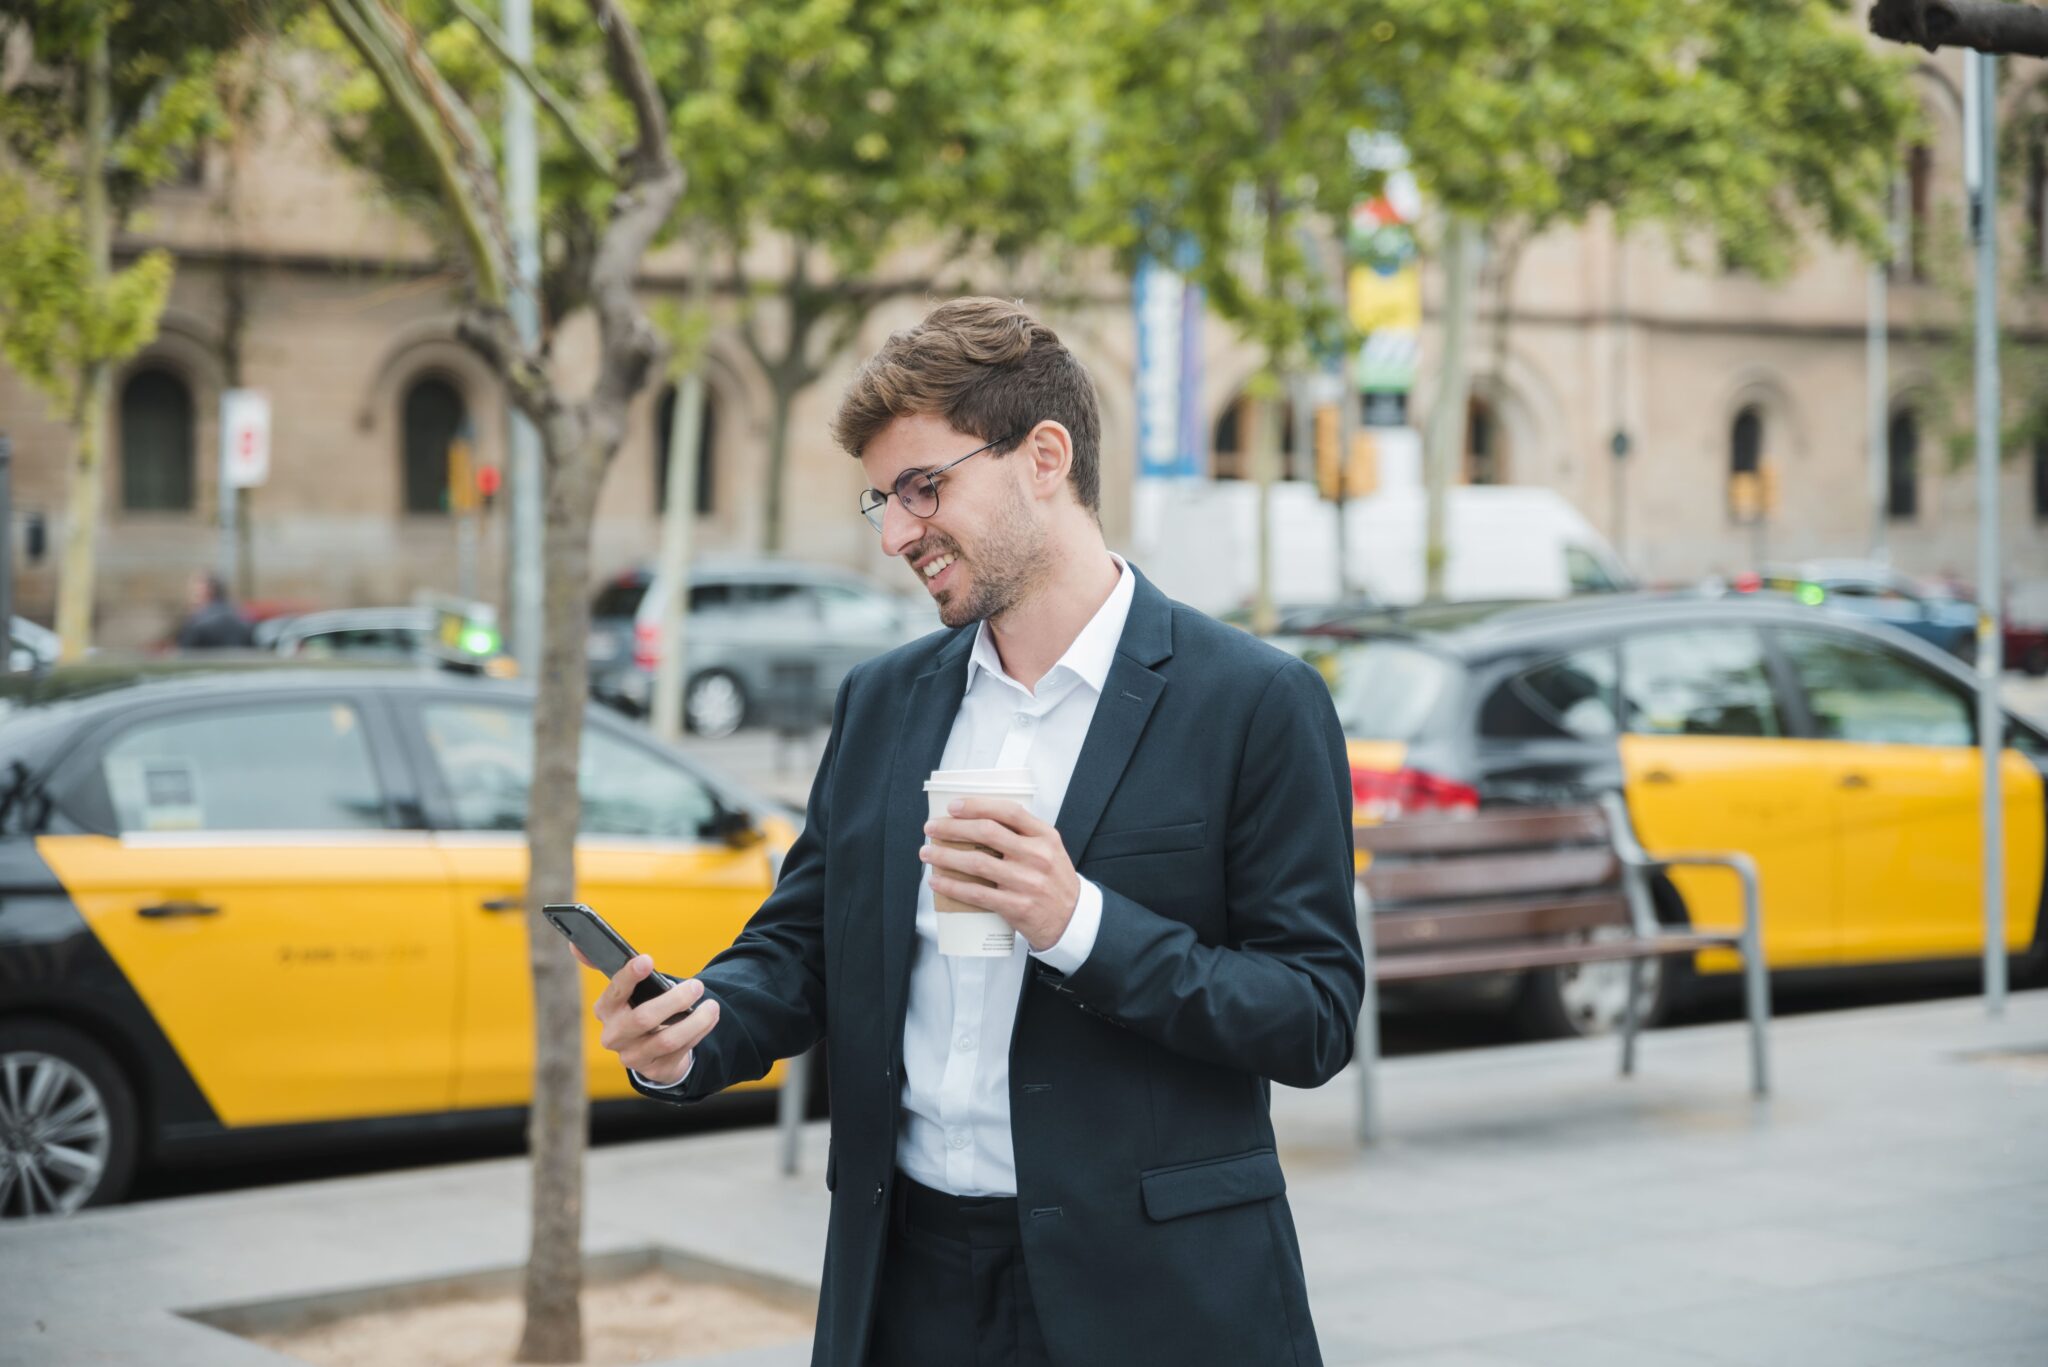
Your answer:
<point x="1527" y="1207"/>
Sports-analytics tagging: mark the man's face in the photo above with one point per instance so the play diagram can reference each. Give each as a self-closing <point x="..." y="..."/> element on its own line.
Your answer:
<point x="985" y="541"/>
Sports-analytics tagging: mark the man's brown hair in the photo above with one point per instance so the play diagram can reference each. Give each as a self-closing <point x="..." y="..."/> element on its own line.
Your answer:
<point x="991" y="370"/>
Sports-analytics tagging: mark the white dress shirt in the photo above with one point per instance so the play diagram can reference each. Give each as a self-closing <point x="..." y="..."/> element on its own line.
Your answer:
<point x="954" y="1133"/>
<point x="955" y="1128"/>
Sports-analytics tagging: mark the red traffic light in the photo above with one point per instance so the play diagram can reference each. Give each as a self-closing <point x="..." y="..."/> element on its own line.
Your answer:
<point x="487" y="480"/>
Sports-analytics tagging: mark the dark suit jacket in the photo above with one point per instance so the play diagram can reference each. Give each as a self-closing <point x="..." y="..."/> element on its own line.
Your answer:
<point x="1212" y="804"/>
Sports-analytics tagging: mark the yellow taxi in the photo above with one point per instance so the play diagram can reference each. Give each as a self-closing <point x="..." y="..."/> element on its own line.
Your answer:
<point x="1836" y="751"/>
<point x="287" y="904"/>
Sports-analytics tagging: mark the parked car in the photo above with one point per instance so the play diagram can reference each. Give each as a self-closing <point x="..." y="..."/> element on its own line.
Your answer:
<point x="283" y="906"/>
<point x="757" y="631"/>
<point x="464" y="635"/>
<point x="1835" y="752"/>
<point x="1878" y="592"/>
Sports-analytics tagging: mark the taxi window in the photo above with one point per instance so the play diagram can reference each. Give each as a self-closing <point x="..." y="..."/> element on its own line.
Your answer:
<point x="271" y="767"/>
<point x="485" y="752"/>
<point x="1573" y="696"/>
<point x="1703" y="682"/>
<point x="1866" y="693"/>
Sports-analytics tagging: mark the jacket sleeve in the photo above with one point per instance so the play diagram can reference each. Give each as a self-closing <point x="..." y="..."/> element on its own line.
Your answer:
<point x="1280" y="996"/>
<point x="770" y="984"/>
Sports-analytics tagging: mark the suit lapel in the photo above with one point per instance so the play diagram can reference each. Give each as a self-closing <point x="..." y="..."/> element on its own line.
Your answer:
<point x="926" y="723"/>
<point x="1129" y="694"/>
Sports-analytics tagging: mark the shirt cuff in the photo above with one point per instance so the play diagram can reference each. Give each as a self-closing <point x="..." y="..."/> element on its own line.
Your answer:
<point x="669" y="1086"/>
<point x="1071" y="950"/>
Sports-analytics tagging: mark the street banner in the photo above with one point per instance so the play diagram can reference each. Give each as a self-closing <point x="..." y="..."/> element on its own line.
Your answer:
<point x="1168" y="378"/>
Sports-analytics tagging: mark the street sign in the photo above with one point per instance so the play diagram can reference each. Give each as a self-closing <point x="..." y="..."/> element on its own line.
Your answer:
<point x="244" y="437"/>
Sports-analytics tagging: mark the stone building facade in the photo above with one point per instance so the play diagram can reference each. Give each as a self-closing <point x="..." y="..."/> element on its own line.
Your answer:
<point x="346" y="320"/>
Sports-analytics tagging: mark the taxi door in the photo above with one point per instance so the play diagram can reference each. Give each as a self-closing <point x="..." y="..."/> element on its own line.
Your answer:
<point x="1707" y="766"/>
<point x="1897" y="741"/>
<point x="643" y="862"/>
<point x="298" y="951"/>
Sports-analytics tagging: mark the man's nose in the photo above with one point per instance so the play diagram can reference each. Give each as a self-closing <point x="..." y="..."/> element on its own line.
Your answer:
<point x="900" y="530"/>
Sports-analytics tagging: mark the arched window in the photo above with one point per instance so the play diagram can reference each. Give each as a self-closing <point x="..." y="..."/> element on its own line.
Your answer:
<point x="1230" y="442"/>
<point x="707" y="447"/>
<point x="1902" y="466"/>
<point x="1486" y="453"/>
<point x="433" y="416"/>
<point x="156" y="443"/>
<point x="1919" y="209"/>
<point x="1746" y="492"/>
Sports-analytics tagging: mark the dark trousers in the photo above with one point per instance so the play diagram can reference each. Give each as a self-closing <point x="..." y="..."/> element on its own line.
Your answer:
<point x="954" y="1293"/>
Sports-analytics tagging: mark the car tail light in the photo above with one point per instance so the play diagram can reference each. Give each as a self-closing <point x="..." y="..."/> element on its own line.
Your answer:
<point x="1748" y="583"/>
<point x="646" y="645"/>
<point x="1386" y="795"/>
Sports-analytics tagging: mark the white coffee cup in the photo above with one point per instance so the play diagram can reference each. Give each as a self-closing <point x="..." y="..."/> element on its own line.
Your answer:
<point x="966" y="931"/>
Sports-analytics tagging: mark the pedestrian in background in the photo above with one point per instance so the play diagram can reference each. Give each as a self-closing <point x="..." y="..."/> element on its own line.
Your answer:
<point x="212" y="623"/>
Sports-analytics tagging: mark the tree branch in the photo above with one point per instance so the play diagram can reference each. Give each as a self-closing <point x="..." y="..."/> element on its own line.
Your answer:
<point x="1986" y="25"/>
<point x="550" y="98"/>
<point x="651" y="155"/>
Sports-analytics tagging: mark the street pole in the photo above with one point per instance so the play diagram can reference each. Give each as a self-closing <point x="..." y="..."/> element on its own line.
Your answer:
<point x="6" y="552"/>
<point x="1446" y="440"/>
<point x="1877" y="494"/>
<point x="523" y="466"/>
<point x="679" y="519"/>
<point x="229" y="494"/>
<point x="1980" y="123"/>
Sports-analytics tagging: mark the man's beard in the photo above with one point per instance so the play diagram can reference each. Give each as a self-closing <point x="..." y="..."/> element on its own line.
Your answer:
<point x="1005" y="571"/>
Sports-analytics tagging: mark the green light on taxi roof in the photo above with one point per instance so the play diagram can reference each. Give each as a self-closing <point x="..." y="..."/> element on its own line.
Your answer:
<point x="480" y="641"/>
<point x="1813" y="595"/>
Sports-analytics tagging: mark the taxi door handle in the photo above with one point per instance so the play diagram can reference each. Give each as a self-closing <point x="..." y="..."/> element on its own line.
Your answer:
<point x="504" y="904"/>
<point x="1659" y="776"/>
<point x="162" y="910"/>
<point x="1853" y="781"/>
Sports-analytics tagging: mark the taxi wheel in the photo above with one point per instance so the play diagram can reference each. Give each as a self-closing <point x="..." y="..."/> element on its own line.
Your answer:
<point x="1588" y="1000"/>
<point x="67" y="1122"/>
<point x="715" y="704"/>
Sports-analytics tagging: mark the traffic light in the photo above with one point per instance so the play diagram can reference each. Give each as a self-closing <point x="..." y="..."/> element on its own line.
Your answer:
<point x="487" y="477"/>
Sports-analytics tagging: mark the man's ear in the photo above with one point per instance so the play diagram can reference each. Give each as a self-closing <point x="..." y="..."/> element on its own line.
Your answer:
<point x="1050" y="449"/>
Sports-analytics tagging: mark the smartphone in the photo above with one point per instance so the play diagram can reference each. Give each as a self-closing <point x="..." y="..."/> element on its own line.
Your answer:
<point x="607" y="950"/>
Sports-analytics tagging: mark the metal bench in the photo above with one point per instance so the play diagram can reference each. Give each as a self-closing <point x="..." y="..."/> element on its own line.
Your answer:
<point x="1514" y="889"/>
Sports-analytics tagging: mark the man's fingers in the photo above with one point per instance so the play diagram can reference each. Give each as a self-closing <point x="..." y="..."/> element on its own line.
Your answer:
<point x="619" y="990"/>
<point x="1002" y="811"/>
<point x="979" y="831"/>
<point x="973" y="863"/>
<point x="648" y="1016"/>
<point x="663" y="1050"/>
<point x="1001" y="901"/>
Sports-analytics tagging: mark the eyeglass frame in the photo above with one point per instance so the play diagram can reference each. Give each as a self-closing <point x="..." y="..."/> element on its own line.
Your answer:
<point x="872" y="512"/>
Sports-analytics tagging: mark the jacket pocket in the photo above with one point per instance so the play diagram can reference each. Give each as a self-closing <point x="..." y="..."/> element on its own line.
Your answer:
<point x="1212" y="1184"/>
<point x="1188" y="835"/>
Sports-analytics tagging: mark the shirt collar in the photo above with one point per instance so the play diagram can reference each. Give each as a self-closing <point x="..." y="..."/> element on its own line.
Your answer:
<point x="1092" y="652"/>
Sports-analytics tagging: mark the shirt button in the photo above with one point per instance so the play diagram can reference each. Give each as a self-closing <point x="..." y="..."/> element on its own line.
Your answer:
<point x="1024" y="719"/>
<point x="965" y="1044"/>
<point x="957" y="1140"/>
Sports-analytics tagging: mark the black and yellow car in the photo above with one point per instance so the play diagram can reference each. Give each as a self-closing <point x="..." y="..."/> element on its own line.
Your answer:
<point x="1838" y="753"/>
<point x="285" y="904"/>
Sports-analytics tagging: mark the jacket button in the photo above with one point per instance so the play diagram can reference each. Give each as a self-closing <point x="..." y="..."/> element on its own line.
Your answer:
<point x="878" y="1193"/>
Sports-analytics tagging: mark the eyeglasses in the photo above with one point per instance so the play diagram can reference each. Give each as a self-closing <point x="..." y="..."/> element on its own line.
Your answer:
<point x="917" y="490"/>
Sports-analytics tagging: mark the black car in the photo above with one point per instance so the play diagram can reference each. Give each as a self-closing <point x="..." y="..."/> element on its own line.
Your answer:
<point x="1838" y="754"/>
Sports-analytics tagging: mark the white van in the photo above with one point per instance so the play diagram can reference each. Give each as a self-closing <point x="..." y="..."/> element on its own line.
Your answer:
<point x="1198" y="542"/>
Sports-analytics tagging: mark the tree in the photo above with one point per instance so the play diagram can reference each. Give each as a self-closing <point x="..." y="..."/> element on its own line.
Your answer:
<point x="1986" y="25"/>
<point x="114" y="99"/>
<point x="626" y="203"/>
<point x="1738" y="125"/>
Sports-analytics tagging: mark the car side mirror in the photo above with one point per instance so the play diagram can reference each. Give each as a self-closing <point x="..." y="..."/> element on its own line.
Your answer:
<point x="734" y="829"/>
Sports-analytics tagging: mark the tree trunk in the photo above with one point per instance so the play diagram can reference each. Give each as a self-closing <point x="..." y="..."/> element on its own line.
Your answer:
<point x="82" y="519"/>
<point x="1446" y="439"/>
<point x="1267" y="417"/>
<point x="558" y="1122"/>
<point x="783" y="399"/>
<point x="685" y="453"/>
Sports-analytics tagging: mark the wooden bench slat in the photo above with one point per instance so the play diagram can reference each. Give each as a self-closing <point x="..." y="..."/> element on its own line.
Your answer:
<point x="1498" y="828"/>
<point x="1504" y="958"/>
<point x="1476" y="874"/>
<point x="1522" y="918"/>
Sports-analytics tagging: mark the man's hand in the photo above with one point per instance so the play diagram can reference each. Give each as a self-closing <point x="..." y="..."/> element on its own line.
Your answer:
<point x="659" y="1053"/>
<point x="1035" y="883"/>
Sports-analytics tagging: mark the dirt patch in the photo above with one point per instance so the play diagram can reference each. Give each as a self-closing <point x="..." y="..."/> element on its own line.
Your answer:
<point x="647" y="1317"/>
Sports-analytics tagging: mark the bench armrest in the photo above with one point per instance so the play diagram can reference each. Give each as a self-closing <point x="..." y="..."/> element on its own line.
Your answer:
<point x="1740" y="864"/>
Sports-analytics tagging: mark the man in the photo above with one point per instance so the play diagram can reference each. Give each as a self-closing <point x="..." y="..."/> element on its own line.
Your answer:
<point x="213" y="623"/>
<point x="1064" y="1155"/>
